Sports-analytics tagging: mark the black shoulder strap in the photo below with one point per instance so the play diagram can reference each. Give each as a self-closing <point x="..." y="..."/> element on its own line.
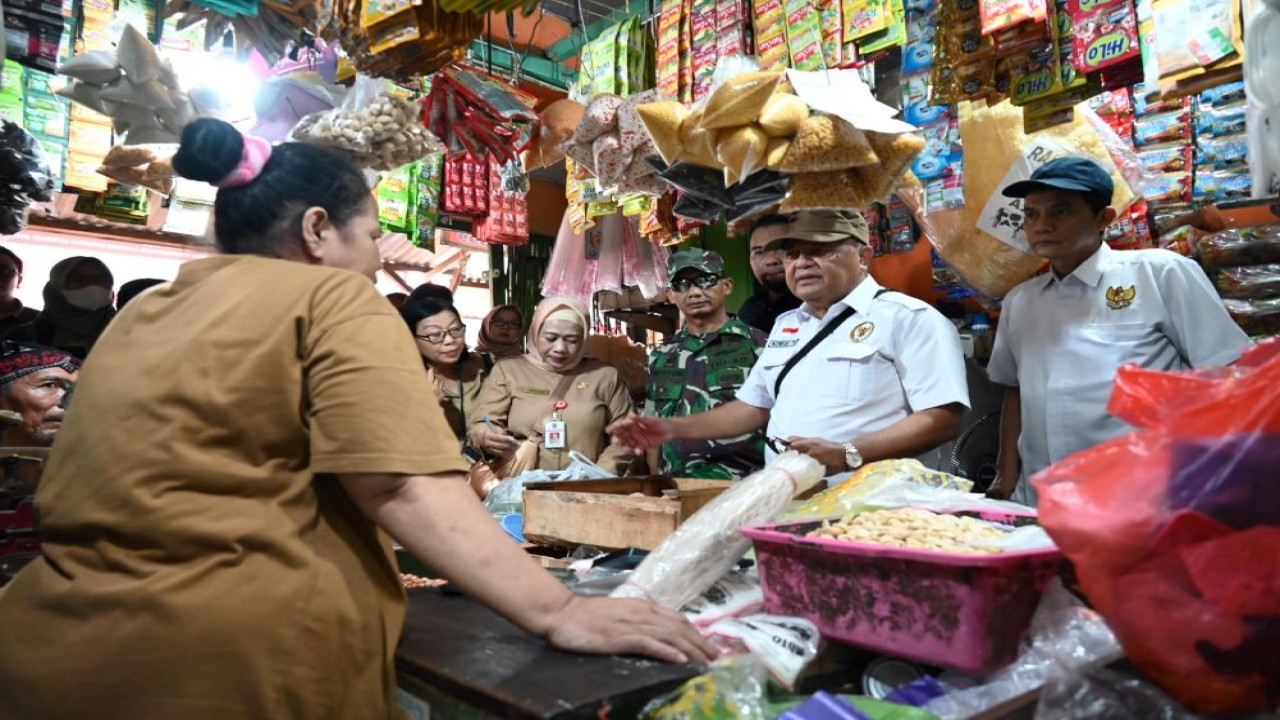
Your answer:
<point x="814" y="342"/>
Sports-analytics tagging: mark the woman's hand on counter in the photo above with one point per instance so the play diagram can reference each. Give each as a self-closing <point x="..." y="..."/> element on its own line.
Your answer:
<point x="614" y="626"/>
<point x="498" y="444"/>
<point x="639" y="433"/>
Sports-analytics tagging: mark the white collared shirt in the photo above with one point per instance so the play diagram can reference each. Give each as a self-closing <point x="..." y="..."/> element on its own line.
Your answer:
<point x="1061" y="341"/>
<point x="895" y="356"/>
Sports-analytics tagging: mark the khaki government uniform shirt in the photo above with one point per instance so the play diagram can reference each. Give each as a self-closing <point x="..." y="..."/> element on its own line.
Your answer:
<point x="458" y="397"/>
<point x="517" y="396"/>
<point x="201" y="561"/>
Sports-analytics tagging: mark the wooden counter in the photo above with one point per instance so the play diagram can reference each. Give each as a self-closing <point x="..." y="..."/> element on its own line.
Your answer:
<point x="464" y="661"/>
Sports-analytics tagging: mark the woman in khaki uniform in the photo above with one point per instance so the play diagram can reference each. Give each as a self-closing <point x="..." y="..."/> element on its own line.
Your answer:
<point x="520" y="396"/>
<point x="212" y="506"/>
<point x="455" y="373"/>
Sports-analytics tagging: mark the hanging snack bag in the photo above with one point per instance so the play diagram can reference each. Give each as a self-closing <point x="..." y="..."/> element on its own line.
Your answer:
<point x="804" y="35"/>
<point x="1167" y="158"/>
<point x="1104" y="36"/>
<point x="739" y="100"/>
<point x="783" y="115"/>
<point x="863" y="17"/>
<point x="998" y="15"/>
<point x="698" y="144"/>
<point x="668" y="70"/>
<point x="1172" y="127"/>
<point x="742" y="151"/>
<point x="825" y="142"/>
<point x="663" y="120"/>
<point x="770" y="20"/>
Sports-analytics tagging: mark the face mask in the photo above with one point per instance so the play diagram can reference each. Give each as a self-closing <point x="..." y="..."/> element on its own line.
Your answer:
<point x="93" y="297"/>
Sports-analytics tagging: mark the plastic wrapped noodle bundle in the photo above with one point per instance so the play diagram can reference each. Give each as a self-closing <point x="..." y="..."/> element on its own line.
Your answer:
<point x="693" y="557"/>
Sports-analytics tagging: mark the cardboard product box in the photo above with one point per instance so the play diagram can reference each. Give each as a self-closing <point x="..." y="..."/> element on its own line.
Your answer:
<point x="615" y="513"/>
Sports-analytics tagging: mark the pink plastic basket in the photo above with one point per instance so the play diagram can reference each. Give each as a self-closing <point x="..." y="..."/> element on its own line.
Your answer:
<point x="959" y="611"/>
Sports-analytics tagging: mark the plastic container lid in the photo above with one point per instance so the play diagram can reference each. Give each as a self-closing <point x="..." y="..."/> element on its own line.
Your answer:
<point x="886" y="674"/>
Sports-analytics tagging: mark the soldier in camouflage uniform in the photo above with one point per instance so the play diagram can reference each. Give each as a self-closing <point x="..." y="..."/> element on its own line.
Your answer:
<point x="703" y="366"/>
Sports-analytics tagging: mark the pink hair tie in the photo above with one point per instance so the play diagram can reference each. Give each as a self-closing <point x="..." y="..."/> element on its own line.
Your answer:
<point x="256" y="153"/>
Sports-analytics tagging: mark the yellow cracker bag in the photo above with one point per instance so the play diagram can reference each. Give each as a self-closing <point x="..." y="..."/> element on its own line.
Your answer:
<point x="739" y="100"/>
<point x="663" y="121"/>
<point x="825" y="142"/>
<point x="783" y="115"/>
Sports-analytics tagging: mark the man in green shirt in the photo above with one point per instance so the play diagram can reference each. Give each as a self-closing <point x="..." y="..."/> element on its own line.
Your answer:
<point x="702" y="366"/>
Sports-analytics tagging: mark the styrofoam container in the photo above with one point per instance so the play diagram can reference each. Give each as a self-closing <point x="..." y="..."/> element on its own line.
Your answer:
<point x="960" y="611"/>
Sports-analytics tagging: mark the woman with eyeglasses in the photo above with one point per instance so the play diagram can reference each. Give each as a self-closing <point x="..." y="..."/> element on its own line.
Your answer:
<point x="501" y="332"/>
<point x="217" y="506"/>
<point x="553" y="396"/>
<point x="455" y="373"/>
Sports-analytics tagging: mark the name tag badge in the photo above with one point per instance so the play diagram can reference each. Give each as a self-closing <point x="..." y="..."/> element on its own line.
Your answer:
<point x="554" y="435"/>
<point x="536" y="391"/>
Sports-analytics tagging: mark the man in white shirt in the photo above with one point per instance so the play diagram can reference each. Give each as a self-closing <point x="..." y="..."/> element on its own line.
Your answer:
<point x="1063" y="335"/>
<point x="857" y="374"/>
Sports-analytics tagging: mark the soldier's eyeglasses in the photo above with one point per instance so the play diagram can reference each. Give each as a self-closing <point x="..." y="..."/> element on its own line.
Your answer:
<point x="704" y="282"/>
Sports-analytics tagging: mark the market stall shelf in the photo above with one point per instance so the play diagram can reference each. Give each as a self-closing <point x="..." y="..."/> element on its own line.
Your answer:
<point x="458" y="656"/>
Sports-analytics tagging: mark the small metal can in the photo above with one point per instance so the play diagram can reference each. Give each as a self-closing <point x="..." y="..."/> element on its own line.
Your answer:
<point x="886" y="674"/>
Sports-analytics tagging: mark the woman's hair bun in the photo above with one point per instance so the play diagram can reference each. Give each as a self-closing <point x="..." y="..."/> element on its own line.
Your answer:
<point x="210" y="150"/>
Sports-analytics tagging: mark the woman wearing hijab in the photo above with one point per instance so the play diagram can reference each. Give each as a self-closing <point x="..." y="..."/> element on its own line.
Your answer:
<point x="500" y="333"/>
<point x="553" y="396"/>
<point x="455" y="373"/>
<point x="77" y="305"/>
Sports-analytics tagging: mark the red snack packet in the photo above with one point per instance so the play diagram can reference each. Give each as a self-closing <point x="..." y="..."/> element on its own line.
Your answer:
<point x="1104" y="36"/>
<point x="998" y="15"/>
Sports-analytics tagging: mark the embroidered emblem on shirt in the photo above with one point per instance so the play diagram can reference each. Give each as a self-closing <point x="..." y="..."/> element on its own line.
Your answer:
<point x="862" y="331"/>
<point x="790" y="331"/>
<point x="1119" y="298"/>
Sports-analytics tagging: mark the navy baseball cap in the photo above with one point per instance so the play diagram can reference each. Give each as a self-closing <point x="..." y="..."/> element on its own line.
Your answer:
<point x="1069" y="173"/>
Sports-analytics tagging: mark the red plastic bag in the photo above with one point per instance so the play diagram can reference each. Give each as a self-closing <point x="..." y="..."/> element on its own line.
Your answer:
<point x="1175" y="529"/>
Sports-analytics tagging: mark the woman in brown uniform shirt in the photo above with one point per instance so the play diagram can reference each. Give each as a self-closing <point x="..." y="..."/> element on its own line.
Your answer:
<point x="211" y="508"/>
<point x="518" y="395"/>
<point x="454" y="372"/>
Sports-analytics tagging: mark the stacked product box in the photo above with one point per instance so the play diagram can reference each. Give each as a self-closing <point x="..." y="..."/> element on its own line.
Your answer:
<point x="48" y="117"/>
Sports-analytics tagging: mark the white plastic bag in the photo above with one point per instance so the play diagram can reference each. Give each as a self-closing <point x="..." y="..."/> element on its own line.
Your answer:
<point x="1065" y="636"/>
<point x="733" y="594"/>
<point x="583" y="469"/>
<point x="709" y="543"/>
<point x="785" y="645"/>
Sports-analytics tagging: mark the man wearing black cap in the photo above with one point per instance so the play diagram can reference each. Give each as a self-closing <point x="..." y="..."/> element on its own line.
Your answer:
<point x="1063" y="335"/>
<point x="856" y="374"/>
